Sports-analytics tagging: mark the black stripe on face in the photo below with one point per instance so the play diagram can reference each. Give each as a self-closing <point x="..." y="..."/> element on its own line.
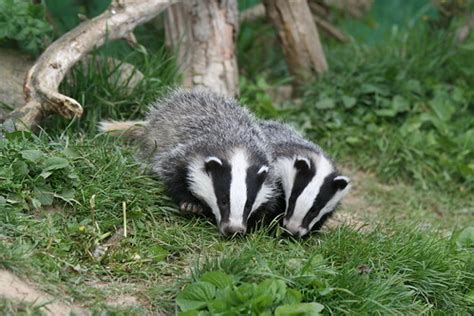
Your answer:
<point x="302" y="179"/>
<point x="221" y="178"/>
<point x="327" y="191"/>
<point x="254" y="184"/>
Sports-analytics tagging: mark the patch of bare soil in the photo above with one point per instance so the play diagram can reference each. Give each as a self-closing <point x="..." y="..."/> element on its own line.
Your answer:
<point x="355" y="210"/>
<point x="117" y="297"/>
<point x="16" y="289"/>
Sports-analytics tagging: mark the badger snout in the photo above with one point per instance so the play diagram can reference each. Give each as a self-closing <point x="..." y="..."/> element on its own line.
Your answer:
<point x="294" y="229"/>
<point x="229" y="228"/>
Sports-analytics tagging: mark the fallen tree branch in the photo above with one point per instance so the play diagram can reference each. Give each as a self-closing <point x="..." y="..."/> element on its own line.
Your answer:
<point x="258" y="11"/>
<point x="253" y="13"/>
<point x="43" y="79"/>
<point x="330" y="29"/>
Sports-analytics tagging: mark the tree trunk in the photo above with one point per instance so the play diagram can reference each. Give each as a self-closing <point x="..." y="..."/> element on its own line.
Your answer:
<point x="203" y="34"/>
<point x="299" y="37"/>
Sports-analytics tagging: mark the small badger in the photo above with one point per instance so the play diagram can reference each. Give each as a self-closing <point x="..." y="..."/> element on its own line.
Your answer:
<point x="310" y="183"/>
<point x="210" y="154"/>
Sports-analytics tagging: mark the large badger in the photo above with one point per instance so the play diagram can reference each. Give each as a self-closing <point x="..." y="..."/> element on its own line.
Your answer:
<point x="209" y="152"/>
<point x="311" y="185"/>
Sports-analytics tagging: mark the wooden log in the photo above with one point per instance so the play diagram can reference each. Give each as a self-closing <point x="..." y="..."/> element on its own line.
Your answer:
<point x="299" y="37"/>
<point x="203" y="32"/>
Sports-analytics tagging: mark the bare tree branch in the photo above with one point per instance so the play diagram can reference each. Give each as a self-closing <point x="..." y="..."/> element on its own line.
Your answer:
<point x="258" y="11"/>
<point x="43" y="79"/>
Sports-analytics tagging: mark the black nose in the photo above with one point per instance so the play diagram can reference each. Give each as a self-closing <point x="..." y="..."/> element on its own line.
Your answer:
<point x="228" y="230"/>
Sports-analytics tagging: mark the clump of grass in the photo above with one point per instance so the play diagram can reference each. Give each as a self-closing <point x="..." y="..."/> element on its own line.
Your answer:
<point x="8" y="307"/>
<point x="95" y="84"/>
<point x="388" y="269"/>
<point x="409" y="271"/>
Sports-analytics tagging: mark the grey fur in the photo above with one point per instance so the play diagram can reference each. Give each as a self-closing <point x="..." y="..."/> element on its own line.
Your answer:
<point x="187" y="123"/>
<point x="285" y="141"/>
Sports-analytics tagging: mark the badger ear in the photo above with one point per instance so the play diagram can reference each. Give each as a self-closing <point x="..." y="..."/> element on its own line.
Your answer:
<point x="262" y="172"/>
<point x="341" y="182"/>
<point x="302" y="163"/>
<point x="212" y="163"/>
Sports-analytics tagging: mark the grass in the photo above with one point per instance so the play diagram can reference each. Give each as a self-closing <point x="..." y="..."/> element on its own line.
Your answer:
<point x="391" y="268"/>
<point x="396" y="116"/>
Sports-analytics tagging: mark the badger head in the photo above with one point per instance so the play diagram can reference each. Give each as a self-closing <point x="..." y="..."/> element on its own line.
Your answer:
<point x="312" y="188"/>
<point x="233" y="185"/>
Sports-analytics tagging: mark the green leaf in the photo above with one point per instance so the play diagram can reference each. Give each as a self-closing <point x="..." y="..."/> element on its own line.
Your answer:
<point x="353" y="140"/>
<point x="195" y="296"/>
<point x="325" y="104"/>
<point x="70" y="153"/>
<point x="55" y="163"/>
<point x="45" y="174"/>
<point x="466" y="237"/>
<point x="45" y="198"/>
<point x="32" y="155"/>
<point x="443" y="109"/>
<point x="218" y="279"/>
<point x="36" y="203"/>
<point x="348" y="102"/>
<point x="293" y="296"/>
<point x="301" y="309"/>
<point x="20" y="168"/>
<point x="158" y="253"/>
<point x="274" y="288"/>
<point x="67" y="195"/>
<point x="400" y="104"/>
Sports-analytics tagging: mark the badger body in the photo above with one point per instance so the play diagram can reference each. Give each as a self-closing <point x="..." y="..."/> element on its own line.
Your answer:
<point x="311" y="186"/>
<point x="209" y="152"/>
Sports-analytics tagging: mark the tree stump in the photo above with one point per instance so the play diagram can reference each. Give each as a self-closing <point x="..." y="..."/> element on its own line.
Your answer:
<point x="299" y="37"/>
<point x="203" y="32"/>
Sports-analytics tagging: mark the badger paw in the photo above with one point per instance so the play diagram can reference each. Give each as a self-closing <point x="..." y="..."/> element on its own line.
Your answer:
<point x="188" y="207"/>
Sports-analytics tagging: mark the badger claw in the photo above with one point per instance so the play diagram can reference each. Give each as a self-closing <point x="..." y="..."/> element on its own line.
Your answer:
<point x="190" y="208"/>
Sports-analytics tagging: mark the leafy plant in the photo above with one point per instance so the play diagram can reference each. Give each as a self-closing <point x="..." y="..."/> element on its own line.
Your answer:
<point x="217" y="293"/>
<point x="407" y="115"/>
<point x="24" y="23"/>
<point x="32" y="178"/>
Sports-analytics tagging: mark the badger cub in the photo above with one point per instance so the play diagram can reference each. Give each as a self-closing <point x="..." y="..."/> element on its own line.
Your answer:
<point x="210" y="154"/>
<point x="311" y="185"/>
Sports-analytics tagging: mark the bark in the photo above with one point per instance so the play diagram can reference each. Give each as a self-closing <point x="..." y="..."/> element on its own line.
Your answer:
<point x="43" y="79"/>
<point x="258" y="11"/>
<point x="299" y="37"/>
<point x="203" y="32"/>
<point x="355" y="8"/>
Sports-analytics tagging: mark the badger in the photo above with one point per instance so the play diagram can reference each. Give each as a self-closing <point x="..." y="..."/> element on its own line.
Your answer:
<point x="310" y="184"/>
<point x="209" y="152"/>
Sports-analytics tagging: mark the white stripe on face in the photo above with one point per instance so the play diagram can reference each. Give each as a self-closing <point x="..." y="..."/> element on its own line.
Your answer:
<point x="330" y="205"/>
<point x="285" y="168"/>
<point x="263" y="195"/>
<point x="201" y="185"/>
<point x="238" y="186"/>
<point x="305" y="201"/>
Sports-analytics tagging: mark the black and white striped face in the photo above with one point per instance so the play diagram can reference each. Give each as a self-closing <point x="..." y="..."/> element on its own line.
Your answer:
<point x="312" y="190"/>
<point x="233" y="188"/>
